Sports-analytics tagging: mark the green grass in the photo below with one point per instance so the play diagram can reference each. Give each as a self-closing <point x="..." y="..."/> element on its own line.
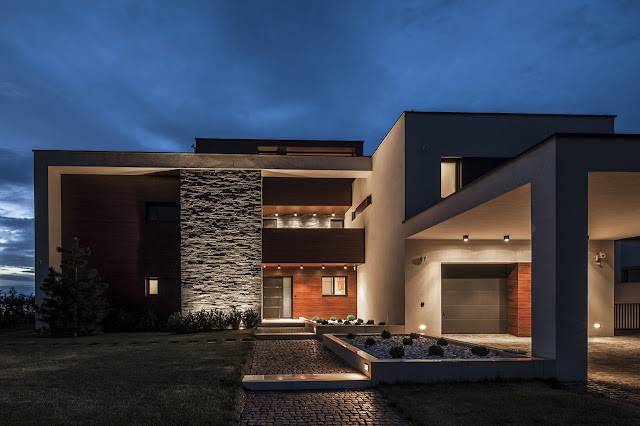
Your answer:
<point x="505" y="402"/>
<point x="122" y="378"/>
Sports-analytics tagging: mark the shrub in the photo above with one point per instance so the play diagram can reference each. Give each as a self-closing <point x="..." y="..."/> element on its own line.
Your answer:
<point x="340" y="321"/>
<point x="351" y="318"/>
<point x="351" y="336"/>
<point x="382" y="323"/>
<point x="480" y="350"/>
<point x="250" y="318"/>
<point x="360" y="321"/>
<point x="385" y="334"/>
<point x="407" y="341"/>
<point x="347" y="323"/>
<point x="316" y="318"/>
<point x="414" y="335"/>
<point x="234" y="318"/>
<point x="356" y="323"/>
<point x="397" y="351"/>
<point x="435" y="350"/>
<point x="370" y="322"/>
<point x="370" y="341"/>
<point x="203" y="320"/>
<point x="332" y="318"/>
<point x="174" y="323"/>
<point x="318" y="321"/>
<point x="325" y="322"/>
<point x="442" y="342"/>
<point x="219" y="320"/>
<point x="16" y="309"/>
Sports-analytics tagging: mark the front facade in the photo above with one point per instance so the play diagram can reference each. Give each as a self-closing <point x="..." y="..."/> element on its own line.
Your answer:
<point x="454" y="225"/>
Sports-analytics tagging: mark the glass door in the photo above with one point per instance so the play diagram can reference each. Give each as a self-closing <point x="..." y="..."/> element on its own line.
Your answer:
<point x="277" y="297"/>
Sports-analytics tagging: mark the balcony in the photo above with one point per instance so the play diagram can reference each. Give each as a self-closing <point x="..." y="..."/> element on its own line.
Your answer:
<point x="309" y="245"/>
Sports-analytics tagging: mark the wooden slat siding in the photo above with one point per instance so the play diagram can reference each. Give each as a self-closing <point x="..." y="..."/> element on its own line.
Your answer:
<point x="107" y="214"/>
<point x="313" y="245"/>
<point x="307" y="290"/>
<point x="627" y="316"/>
<point x="306" y="192"/>
<point x="519" y="300"/>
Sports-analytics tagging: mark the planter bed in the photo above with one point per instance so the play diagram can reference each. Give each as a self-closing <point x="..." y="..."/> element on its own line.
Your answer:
<point x="336" y="328"/>
<point x="418" y="350"/>
<point x="503" y="365"/>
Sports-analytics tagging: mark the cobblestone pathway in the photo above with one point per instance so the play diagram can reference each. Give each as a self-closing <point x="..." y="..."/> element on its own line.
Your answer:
<point x="319" y="408"/>
<point x="614" y="362"/>
<point x="296" y="357"/>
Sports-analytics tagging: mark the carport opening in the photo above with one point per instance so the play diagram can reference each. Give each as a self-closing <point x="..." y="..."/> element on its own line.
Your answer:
<point x="486" y="299"/>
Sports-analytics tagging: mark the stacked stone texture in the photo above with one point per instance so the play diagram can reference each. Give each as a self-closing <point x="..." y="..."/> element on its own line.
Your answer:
<point x="221" y="239"/>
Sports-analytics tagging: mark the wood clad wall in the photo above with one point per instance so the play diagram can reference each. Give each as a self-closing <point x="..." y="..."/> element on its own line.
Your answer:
<point x="306" y="192"/>
<point x="307" y="291"/>
<point x="107" y="214"/>
<point x="301" y="245"/>
<point x="519" y="304"/>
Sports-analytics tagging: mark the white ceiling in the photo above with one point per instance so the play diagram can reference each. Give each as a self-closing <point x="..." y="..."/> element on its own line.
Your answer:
<point x="614" y="213"/>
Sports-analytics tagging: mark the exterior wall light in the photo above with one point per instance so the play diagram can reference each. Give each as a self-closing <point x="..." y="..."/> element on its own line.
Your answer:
<point x="278" y="266"/>
<point x="301" y="267"/>
<point x="276" y="215"/>
<point x="596" y="325"/>
<point x="314" y="215"/>
<point x="264" y="266"/>
<point x="354" y="267"/>
<point x="465" y="238"/>
<point x="506" y="238"/>
<point x="345" y="266"/>
<point x="423" y="327"/>
<point x="295" y="214"/>
<point x="366" y="366"/>
<point x="322" y="266"/>
<point x="333" y="214"/>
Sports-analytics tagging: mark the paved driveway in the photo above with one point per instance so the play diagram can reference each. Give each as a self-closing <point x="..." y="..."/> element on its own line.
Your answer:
<point x="614" y="362"/>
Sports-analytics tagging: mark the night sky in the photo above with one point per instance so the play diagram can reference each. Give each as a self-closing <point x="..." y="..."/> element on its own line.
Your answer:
<point x="152" y="75"/>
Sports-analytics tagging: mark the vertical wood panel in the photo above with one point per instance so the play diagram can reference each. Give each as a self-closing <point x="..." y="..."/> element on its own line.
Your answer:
<point x="519" y="300"/>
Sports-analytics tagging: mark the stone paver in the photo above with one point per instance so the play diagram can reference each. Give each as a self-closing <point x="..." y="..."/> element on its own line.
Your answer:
<point x="614" y="362"/>
<point x="296" y="357"/>
<point x="319" y="407"/>
<point x="272" y="330"/>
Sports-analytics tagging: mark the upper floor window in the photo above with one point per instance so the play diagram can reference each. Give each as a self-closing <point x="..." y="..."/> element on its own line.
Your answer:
<point x="162" y="212"/>
<point x="151" y="286"/>
<point x="450" y="176"/>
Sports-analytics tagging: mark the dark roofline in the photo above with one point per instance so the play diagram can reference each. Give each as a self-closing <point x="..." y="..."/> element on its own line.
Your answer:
<point x="280" y="140"/>
<point x="510" y="113"/>
<point x="527" y="151"/>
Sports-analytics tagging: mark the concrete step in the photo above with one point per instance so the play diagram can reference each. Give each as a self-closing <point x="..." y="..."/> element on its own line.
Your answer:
<point x="293" y="382"/>
<point x="282" y="323"/>
<point x="285" y="336"/>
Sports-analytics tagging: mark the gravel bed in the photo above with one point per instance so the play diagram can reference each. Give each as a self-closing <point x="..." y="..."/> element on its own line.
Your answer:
<point x="419" y="349"/>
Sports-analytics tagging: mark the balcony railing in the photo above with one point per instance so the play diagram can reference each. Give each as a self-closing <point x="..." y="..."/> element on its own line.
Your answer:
<point x="291" y="245"/>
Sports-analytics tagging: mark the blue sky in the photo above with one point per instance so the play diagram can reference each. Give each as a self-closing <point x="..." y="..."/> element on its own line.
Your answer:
<point x="152" y="75"/>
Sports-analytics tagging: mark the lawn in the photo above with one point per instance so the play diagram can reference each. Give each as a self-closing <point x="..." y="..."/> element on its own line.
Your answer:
<point x="123" y="378"/>
<point x="506" y="402"/>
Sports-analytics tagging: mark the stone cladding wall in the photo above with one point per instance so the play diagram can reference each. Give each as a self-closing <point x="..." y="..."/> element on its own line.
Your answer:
<point x="221" y="239"/>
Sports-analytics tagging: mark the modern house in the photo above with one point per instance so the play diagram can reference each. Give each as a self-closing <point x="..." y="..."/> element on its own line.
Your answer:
<point x="458" y="223"/>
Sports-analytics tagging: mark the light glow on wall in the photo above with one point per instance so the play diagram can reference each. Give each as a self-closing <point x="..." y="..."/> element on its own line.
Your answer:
<point x="423" y="327"/>
<point x="596" y="325"/>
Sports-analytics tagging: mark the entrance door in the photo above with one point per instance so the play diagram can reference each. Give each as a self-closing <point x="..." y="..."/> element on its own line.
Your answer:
<point x="277" y="297"/>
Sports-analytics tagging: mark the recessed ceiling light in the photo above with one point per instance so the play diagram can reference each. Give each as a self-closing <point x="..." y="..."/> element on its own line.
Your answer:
<point x="465" y="238"/>
<point x="301" y="267"/>
<point x="506" y="238"/>
<point x="322" y="266"/>
<point x="264" y="266"/>
<point x="278" y="266"/>
<point x="276" y="214"/>
<point x="295" y="214"/>
<point x="333" y="214"/>
<point x="314" y="215"/>
<point x="345" y="266"/>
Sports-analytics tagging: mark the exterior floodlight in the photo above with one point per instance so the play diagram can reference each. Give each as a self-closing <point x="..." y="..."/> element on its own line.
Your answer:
<point x="465" y="238"/>
<point x="506" y="238"/>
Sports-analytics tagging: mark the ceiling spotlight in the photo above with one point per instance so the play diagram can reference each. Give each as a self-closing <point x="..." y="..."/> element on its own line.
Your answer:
<point x="333" y="214"/>
<point x="295" y="214"/>
<point x="314" y="215"/>
<point x="322" y="266"/>
<point x="278" y="266"/>
<point x="264" y="266"/>
<point x="276" y="214"/>
<point x="465" y="238"/>
<point x="506" y="238"/>
<point x="301" y="267"/>
<point x="345" y="266"/>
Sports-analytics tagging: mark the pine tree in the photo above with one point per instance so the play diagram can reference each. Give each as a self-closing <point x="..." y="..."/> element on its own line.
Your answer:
<point x="75" y="299"/>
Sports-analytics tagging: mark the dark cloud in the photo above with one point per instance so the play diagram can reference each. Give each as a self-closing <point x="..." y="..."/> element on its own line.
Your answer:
<point x="152" y="75"/>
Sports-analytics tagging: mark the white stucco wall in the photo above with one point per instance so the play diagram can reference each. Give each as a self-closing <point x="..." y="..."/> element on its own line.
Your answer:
<point x="381" y="277"/>
<point x="423" y="278"/>
<point x="600" y="289"/>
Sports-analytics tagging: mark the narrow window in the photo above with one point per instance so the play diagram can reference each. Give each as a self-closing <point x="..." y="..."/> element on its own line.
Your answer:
<point x="152" y="286"/>
<point x="337" y="223"/>
<point x="162" y="212"/>
<point x="334" y="286"/>
<point x="450" y="176"/>
<point x="269" y="223"/>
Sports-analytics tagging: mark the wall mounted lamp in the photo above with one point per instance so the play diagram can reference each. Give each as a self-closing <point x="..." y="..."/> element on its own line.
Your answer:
<point x="596" y="325"/>
<point x="333" y="214"/>
<point x="345" y="266"/>
<point x="276" y="215"/>
<point x="264" y="266"/>
<point x="278" y="266"/>
<point x="295" y="214"/>
<point x="301" y="267"/>
<point x="465" y="238"/>
<point x="423" y="327"/>
<point x="506" y="238"/>
<point x="322" y="266"/>
<point x="314" y="215"/>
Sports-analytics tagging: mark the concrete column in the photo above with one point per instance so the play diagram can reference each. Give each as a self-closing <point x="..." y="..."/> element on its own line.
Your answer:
<point x="601" y="288"/>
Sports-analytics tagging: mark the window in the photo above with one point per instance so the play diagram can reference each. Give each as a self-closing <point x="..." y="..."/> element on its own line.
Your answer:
<point x="334" y="286"/>
<point x="450" y="176"/>
<point x="151" y="286"/>
<point x="337" y="223"/>
<point x="269" y="223"/>
<point x="162" y="212"/>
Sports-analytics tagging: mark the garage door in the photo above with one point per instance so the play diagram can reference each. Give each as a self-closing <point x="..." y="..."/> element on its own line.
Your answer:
<point x="474" y="298"/>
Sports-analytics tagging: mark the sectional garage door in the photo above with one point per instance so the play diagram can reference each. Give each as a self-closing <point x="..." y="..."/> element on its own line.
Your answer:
<point x="474" y="298"/>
